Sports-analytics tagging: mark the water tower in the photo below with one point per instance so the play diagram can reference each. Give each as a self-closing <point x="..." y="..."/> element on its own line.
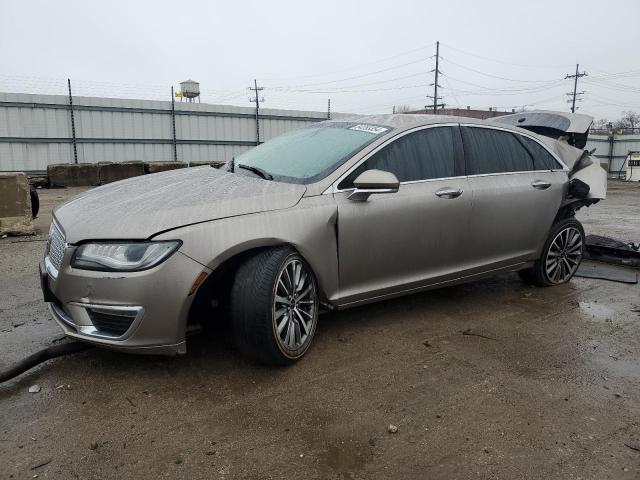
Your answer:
<point x="190" y="89"/>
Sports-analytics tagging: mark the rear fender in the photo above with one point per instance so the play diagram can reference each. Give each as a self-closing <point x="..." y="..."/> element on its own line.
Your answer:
<point x="588" y="170"/>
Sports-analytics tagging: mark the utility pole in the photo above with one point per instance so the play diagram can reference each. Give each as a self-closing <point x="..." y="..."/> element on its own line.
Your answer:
<point x="257" y="99"/>
<point x="435" y="83"/>
<point x="73" y="124"/>
<point x="173" y="125"/>
<point x="575" y="87"/>
<point x="328" y="109"/>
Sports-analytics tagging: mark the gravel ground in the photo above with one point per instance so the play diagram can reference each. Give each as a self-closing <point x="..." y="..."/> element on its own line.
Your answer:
<point x="548" y="388"/>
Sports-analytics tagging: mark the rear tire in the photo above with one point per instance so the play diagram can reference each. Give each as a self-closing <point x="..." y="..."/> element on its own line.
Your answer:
<point x="274" y="306"/>
<point x="561" y="255"/>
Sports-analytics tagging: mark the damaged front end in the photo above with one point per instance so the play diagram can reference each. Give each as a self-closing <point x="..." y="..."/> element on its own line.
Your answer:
<point x="566" y="135"/>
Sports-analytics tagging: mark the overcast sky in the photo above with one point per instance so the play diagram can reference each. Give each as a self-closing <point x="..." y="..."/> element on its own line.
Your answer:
<point x="365" y="55"/>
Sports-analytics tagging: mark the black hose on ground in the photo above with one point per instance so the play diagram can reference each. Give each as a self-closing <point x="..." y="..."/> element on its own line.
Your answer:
<point x="42" y="356"/>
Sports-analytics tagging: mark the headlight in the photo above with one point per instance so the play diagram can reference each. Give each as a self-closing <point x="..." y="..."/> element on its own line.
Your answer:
<point x="123" y="256"/>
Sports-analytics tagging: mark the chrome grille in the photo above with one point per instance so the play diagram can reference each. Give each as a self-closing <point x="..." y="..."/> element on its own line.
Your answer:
<point x="55" y="246"/>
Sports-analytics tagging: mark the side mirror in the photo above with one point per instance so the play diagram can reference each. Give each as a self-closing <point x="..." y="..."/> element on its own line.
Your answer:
<point x="373" y="181"/>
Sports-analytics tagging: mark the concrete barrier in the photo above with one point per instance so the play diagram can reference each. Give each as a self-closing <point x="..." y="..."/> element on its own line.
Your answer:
<point x="155" y="167"/>
<point x="112" y="172"/>
<point x="92" y="174"/>
<point x="213" y="163"/>
<point x="73" y="175"/>
<point x="15" y="205"/>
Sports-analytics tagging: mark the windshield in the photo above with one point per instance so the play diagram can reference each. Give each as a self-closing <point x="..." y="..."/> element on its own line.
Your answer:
<point x="309" y="154"/>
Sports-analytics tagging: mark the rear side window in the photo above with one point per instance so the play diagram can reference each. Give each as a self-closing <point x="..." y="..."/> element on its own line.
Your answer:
<point x="422" y="155"/>
<point x="542" y="159"/>
<point x="494" y="151"/>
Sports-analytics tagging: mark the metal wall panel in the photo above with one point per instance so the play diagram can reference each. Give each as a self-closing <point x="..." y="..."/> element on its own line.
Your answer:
<point x="622" y="145"/>
<point x="35" y="130"/>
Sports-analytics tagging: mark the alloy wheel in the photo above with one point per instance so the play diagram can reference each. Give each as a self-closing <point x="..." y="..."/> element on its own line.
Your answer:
<point x="295" y="307"/>
<point x="564" y="255"/>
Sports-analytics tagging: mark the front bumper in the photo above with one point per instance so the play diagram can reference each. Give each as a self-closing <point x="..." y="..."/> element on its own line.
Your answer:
<point x="138" y="312"/>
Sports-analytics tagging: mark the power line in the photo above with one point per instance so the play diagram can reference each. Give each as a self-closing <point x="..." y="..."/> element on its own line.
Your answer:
<point x="352" y="77"/>
<point x="355" y="67"/>
<point x="493" y="76"/>
<point x="502" y="61"/>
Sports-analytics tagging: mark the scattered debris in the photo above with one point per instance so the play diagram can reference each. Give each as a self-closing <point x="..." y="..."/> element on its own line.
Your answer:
<point x="470" y="333"/>
<point x="17" y="324"/>
<point x="131" y="402"/>
<point x="392" y="428"/>
<point x="42" y="464"/>
<point x="94" y="446"/>
<point x="35" y="389"/>
<point x="426" y="343"/>
<point x="632" y="447"/>
<point x="178" y="460"/>
<point x="617" y="395"/>
<point x="602" y="271"/>
<point x="372" y="442"/>
<point x="606" y="249"/>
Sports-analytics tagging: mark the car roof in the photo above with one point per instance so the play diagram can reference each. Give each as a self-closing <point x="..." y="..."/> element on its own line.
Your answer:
<point x="404" y="121"/>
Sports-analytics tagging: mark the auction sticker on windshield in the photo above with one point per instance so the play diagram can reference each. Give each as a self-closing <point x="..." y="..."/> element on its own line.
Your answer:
<point x="373" y="129"/>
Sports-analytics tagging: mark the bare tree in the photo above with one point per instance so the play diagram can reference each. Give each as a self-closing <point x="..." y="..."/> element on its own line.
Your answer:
<point x="601" y="124"/>
<point x="629" y="120"/>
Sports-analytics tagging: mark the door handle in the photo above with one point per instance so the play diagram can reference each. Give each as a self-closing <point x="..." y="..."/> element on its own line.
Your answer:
<point x="447" y="192"/>
<point x="540" y="184"/>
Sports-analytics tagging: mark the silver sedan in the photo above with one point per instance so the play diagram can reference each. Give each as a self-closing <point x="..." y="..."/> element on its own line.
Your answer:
<point x="331" y="216"/>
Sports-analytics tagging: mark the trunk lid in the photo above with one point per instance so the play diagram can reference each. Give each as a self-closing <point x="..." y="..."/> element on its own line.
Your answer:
<point x="571" y="127"/>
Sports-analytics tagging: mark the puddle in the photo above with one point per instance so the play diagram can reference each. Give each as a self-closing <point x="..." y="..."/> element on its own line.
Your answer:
<point x="596" y="310"/>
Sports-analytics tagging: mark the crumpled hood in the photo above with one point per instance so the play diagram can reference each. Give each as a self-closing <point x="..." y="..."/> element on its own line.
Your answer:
<point x="140" y="207"/>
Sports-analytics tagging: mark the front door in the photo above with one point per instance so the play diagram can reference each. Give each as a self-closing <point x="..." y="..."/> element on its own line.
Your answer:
<point x="405" y="240"/>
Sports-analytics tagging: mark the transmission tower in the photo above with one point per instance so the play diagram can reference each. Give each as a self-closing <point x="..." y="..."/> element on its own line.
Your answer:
<point x="435" y="85"/>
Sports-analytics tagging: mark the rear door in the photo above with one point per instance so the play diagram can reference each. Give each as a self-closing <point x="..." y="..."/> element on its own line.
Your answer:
<point x="404" y="240"/>
<point x="517" y="188"/>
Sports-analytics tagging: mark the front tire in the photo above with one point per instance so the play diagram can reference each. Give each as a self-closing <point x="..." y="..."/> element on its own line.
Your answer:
<point x="561" y="255"/>
<point x="274" y="306"/>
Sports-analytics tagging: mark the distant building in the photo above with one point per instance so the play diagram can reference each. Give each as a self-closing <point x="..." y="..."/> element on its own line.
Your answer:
<point x="465" y="112"/>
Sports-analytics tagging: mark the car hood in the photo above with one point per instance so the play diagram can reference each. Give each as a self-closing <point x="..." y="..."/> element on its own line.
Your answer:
<point x="138" y="208"/>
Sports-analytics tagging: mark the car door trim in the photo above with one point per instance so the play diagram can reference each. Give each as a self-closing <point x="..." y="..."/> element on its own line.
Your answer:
<point x="333" y="188"/>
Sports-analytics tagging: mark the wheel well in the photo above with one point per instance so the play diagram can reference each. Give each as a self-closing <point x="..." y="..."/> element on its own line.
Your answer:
<point x="213" y="294"/>
<point x="567" y="211"/>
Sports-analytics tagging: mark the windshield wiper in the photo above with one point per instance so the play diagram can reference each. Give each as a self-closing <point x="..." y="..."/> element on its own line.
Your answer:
<point x="257" y="171"/>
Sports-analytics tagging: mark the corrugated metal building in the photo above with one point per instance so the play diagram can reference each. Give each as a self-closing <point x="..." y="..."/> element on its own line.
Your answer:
<point x="612" y="153"/>
<point x="36" y="131"/>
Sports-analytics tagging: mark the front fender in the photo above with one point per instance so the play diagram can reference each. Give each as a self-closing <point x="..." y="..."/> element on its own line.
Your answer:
<point x="310" y="227"/>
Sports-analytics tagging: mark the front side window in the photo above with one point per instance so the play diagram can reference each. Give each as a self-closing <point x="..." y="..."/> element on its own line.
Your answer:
<point x="542" y="159"/>
<point x="494" y="151"/>
<point x="310" y="154"/>
<point x="422" y="155"/>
